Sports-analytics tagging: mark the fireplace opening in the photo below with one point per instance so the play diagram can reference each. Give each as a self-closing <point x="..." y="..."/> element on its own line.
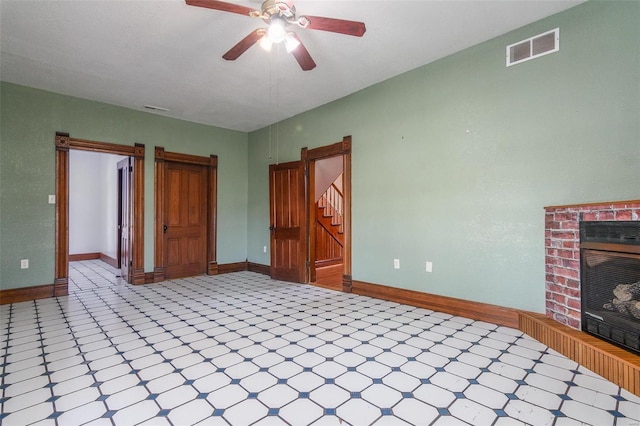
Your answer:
<point x="610" y="281"/>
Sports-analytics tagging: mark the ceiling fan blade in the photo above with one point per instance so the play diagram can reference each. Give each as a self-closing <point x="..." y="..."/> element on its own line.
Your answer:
<point x="352" y="28"/>
<point x="244" y="44"/>
<point x="223" y="6"/>
<point x="302" y="55"/>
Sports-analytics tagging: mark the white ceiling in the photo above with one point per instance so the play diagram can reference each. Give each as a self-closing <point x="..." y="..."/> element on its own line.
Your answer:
<point x="165" y="53"/>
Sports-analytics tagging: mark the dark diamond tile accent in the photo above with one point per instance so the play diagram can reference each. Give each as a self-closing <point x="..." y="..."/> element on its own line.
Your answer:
<point x="440" y="369"/>
<point x="511" y="395"/>
<point x="356" y="395"/>
<point x="473" y="381"/>
<point x="189" y="382"/>
<point x="557" y="413"/>
<point x="619" y="398"/>
<point x="163" y="413"/>
<point x="443" y="412"/>
<point x="425" y="381"/>
<point x="329" y="381"/>
<point x="102" y="397"/>
<point x="615" y="413"/>
<point x="377" y="381"/>
<point x="500" y="413"/>
<point x="252" y="395"/>
<point x="109" y="414"/>
<point x="235" y="381"/>
<point x="303" y="395"/>
<point x="153" y="396"/>
<point x="329" y="411"/>
<point x="143" y="383"/>
<point x="351" y="368"/>
<point x="565" y="397"/>
<point x="407" y="395"/>
<point x="386" y="411"/>
<point x="202" y="395"/>
<point x="521" y="382"/>
<point x="55" y="414"/>
<point x="52" y="399"/>
<point x="570" y="383"/>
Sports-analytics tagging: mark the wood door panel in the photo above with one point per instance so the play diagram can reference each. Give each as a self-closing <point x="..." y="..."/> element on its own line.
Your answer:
<point x="186" y="220"/>
<point x="288" y="236"/>
<point x="174" y="188"/>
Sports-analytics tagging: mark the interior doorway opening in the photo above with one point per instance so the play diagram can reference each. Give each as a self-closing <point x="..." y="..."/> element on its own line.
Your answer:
<point x="310" y="217"/>
<point x="64" y="144"/>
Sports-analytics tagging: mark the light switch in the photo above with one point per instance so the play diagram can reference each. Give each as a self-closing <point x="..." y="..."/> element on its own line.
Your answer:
<point x="52" y="199"/>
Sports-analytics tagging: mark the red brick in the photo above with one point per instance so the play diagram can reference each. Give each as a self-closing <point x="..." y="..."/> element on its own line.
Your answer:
<point x="573" y="304"/>
<point x="571" y="264"/>
<point x="606" y="215"/>
<point x="589" y="216"/>
<point x="572" y="284"/>
<point x="567" y="216"/>
<point x="572" y="292"/>
<point x="572" y="244"/>
<point x="559" y="298"/>
<point x="565" y="272"/>
<point x="569" y="225"/>
<point x="563" y="235"/>
<point x="623" y="214"/>
<point x="574" y="323"/>
<point x="565" y="254"/>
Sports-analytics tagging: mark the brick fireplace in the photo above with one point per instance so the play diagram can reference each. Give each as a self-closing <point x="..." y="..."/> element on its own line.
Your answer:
<point x="562" y="253"/>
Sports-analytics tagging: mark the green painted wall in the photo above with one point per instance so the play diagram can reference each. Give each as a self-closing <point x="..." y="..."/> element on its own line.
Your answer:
<point x="29" y="119"/>
<point x="453" y="162"/>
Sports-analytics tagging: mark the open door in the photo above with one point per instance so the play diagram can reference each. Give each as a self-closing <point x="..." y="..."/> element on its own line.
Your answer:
<point x="288" y="222"/>
<point x="125" y="172"/>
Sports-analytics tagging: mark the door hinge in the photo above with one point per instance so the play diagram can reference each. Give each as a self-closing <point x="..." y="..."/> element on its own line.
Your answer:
<point x="131" y="263"/>
<point x="130" y="168"/>
<point x="308" y="264"/>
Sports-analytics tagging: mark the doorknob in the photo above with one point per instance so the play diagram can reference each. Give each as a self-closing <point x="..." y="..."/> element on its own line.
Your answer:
<point x="164" y="228"/>
<point x="272" y="228"/>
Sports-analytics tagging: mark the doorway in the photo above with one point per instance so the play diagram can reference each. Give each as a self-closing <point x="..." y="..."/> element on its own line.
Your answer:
<point x="185" y="211"/>
<point x="63" y="144"/>
<point x="297" y="253"/>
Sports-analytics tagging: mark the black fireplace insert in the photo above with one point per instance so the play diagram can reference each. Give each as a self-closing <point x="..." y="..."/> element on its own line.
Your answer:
<point x="610" y="281"/>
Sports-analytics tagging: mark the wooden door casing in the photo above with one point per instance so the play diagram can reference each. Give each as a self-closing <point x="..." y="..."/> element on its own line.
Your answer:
<point x="309" y="156"/>
<point x="64" y="143"/>
<point x="288" y="222"/>
<point x="185" y="227"/>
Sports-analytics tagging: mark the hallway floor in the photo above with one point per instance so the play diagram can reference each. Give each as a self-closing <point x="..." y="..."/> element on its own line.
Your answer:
<point x="243" y="349"/>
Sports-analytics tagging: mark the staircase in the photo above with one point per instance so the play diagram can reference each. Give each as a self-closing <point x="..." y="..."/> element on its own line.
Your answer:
<point x="330" y="225"/>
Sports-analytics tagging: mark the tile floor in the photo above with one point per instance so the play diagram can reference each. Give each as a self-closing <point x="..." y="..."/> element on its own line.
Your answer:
<point x="243" y="349"/>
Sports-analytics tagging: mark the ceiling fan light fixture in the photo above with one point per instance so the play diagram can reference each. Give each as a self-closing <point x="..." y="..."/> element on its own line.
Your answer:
<point x="266" y="43"/>
<point x="291" y="42"/>
<point x="276" y="31"/>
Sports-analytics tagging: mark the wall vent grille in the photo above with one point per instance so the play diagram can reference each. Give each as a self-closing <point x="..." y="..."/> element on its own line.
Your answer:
<point x="533" y="47"/>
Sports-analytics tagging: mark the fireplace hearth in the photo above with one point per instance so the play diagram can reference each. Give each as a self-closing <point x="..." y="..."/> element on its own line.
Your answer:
<point x="610" y="281"/>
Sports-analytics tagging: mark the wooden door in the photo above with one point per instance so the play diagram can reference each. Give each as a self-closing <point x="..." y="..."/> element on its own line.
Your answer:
<point x="125" y="172"/>
<point x="185" y="227"/>
<point x="288" y="222"/>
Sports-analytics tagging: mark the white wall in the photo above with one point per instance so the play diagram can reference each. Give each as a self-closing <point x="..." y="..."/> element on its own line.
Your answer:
<point x="93" y="202"/>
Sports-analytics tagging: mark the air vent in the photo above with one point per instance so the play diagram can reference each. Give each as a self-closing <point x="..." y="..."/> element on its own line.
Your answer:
<point x="533" y="47"/>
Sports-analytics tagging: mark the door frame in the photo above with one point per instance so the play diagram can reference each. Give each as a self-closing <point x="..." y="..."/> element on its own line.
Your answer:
<point x="64" y="143"/>
<point x="309" y="156"/>
<point x="211" y="162"/>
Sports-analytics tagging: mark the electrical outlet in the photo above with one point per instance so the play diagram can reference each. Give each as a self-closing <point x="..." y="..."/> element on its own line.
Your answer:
<point x="396" y="263"/>
<point x="24" y="264"/>
<point x="429" y="267"/>
<point x="52" y="199"/>
<point x="264" y="249"/>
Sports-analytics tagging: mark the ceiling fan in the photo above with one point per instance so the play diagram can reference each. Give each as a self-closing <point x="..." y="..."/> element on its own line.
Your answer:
<point x="278" y="15"/>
